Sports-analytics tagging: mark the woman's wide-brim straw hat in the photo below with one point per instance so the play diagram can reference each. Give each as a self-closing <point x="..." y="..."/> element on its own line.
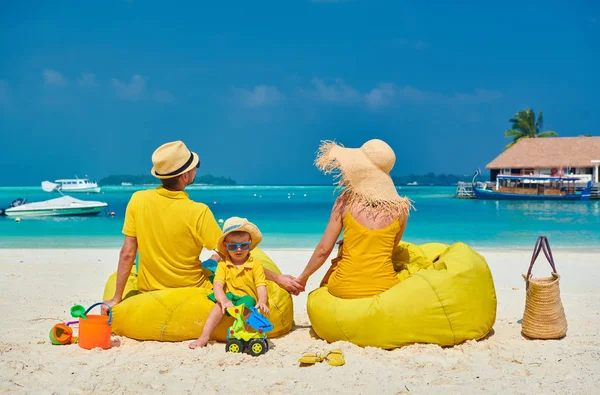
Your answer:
<point x="237" y="224"/>
<point x="364" y="174"/>
<point x="172" y="160"/>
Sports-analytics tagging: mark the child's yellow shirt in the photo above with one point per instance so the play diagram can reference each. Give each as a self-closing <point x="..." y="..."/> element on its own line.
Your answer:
<point x="241" y="280"/>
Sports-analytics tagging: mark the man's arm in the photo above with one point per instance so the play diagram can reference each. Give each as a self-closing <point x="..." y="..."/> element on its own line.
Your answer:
<point x="285" y="281"/>
<point x="126" y="260"/>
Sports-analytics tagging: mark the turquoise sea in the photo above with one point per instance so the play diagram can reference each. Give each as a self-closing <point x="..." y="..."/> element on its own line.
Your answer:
<point x="295" y="217"/>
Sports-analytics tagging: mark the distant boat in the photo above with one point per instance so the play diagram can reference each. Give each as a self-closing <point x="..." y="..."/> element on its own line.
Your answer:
<point x="126" y="184"/>
<point x="413" y="183"/>
<point x="533" y="188"/>
<point x="77" y="185"/>
<point x="62" y="206"/>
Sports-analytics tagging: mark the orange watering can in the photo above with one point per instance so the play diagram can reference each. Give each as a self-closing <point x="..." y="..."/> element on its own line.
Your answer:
<point x="94" y="330"/>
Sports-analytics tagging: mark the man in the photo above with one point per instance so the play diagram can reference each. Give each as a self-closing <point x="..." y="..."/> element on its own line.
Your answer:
<point x="170" y="230"/>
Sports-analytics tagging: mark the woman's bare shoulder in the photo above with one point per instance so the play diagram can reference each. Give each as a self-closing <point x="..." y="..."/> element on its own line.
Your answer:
<point x="341" y="205"/>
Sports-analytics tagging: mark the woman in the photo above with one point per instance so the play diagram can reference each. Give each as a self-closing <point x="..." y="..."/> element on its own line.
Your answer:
<point x="372" y="215"/>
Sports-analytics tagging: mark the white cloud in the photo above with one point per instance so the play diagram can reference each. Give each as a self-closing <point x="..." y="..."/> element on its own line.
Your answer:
<point x="163" y="96"/>
<point x="385" y="93"/>
<point x="261" y="95"/>
<point x="132" y="90"/>
<point x="339" y="92"/>
<point x="420" y="96"/>
<point x="87" y="80"/>
<point x="416" y="95"/>
<point x="52" y="77"/>
<point x="381" y="96"/>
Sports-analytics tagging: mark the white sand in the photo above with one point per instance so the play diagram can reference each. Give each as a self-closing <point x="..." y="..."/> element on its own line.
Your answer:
<point x="39" y="286"/>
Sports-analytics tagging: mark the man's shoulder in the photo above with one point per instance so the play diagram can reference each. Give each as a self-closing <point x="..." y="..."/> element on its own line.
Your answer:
<point x="198" y="206"/>
<point x="142" y="195"/>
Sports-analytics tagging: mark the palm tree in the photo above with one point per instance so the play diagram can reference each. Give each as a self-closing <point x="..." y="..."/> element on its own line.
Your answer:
<point x="524" y="125"/>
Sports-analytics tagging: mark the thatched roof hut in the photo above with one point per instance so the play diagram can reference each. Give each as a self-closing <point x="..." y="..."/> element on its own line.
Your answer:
<point x="549" y="152"/>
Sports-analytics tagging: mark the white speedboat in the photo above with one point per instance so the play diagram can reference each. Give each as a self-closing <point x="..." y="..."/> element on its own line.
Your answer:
<point x="77" y="185"/>
<point x="62" y="206"/>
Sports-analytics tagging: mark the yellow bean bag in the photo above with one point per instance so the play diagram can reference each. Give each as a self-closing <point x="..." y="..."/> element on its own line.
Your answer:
<point x="179" y="314"/>
<point x="446" y="296"/>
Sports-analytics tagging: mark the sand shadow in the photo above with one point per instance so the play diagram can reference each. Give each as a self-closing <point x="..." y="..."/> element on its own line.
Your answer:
<point x="491" y="333"/>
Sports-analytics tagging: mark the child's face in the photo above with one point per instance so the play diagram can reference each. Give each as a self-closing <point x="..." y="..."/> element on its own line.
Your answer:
<point x="239" y="253"/>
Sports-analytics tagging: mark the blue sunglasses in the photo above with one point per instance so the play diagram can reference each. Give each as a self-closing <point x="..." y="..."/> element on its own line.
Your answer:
<point x="234" y="246"/>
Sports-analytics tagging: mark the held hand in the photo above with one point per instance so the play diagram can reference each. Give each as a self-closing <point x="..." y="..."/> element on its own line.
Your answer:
<point x="215" y="257"/>
<point x="263" y="308"/>
<point x="111" y="302"/>
<point x="302" y="281"/>
<point x="225" y="305"/>
<point x="290" y="284"/>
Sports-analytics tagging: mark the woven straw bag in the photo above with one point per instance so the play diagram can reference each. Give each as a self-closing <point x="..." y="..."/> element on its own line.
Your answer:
<point x="544" y="316"/>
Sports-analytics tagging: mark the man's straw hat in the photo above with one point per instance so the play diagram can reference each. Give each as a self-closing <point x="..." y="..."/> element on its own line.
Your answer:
<point x="173" y="159"/>
<point x="364" y="174"/>
<point x="237" y="224"/>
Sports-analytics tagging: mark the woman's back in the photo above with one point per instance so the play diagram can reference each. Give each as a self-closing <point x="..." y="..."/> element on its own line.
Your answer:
<point x="366" y="267"/>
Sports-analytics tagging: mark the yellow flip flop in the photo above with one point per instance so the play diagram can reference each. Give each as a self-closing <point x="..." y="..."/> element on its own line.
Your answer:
<point x="311" y="358"/>
<point x="335" y="358"/>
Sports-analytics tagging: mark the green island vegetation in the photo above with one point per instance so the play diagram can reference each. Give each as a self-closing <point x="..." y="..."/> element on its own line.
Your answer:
<point x="431" y="179"/>
<point x="145" y="179"/>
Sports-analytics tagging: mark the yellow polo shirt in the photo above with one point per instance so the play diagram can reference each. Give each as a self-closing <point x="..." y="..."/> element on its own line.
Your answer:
<point x="241" y="280"/>
<point x="171" y="231"/>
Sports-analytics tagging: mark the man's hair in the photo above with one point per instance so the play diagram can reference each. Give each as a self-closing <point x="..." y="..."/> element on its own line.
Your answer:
<point x="170" y="182"/>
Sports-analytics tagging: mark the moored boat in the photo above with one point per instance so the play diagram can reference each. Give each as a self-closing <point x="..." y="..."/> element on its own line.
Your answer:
<point x="62" y="206"/>
<point x="77" y="185"/>
<point x="534" y="188"/>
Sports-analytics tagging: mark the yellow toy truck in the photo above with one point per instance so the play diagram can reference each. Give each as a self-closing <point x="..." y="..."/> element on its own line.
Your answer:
<point x="240" y="339"/>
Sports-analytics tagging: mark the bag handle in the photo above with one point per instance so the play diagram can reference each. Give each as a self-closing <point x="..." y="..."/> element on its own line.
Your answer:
<point x="102" y="303"/>
<point x="541" y="244"/>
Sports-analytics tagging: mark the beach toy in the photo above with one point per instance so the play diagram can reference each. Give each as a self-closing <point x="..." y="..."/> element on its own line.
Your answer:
<point x="78" y="311"/>
<point x="446" y="296"/>
<point x="62" y="334"/>
<point x="240" y="339"/>
<point x="94" y="330"/>
<point x="178" y="314"/>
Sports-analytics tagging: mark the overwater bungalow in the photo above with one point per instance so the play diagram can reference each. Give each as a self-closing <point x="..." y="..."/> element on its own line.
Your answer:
<point x="558" y="156"/>
<point x="545" y="168"/>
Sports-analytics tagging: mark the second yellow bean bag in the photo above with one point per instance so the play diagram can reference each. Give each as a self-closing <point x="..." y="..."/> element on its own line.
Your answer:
<point x="446" y="296"/>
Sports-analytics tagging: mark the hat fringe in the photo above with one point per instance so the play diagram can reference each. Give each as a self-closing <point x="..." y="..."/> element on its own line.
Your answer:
<point x="328" y="165"/>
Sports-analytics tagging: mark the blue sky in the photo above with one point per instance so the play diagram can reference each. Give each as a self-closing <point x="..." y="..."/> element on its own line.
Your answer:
<point x="94" y="87"/>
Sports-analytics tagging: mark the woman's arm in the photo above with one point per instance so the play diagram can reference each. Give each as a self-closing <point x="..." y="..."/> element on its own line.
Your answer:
<point x="285" y="281"/>
<point x="325" y="246"/>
